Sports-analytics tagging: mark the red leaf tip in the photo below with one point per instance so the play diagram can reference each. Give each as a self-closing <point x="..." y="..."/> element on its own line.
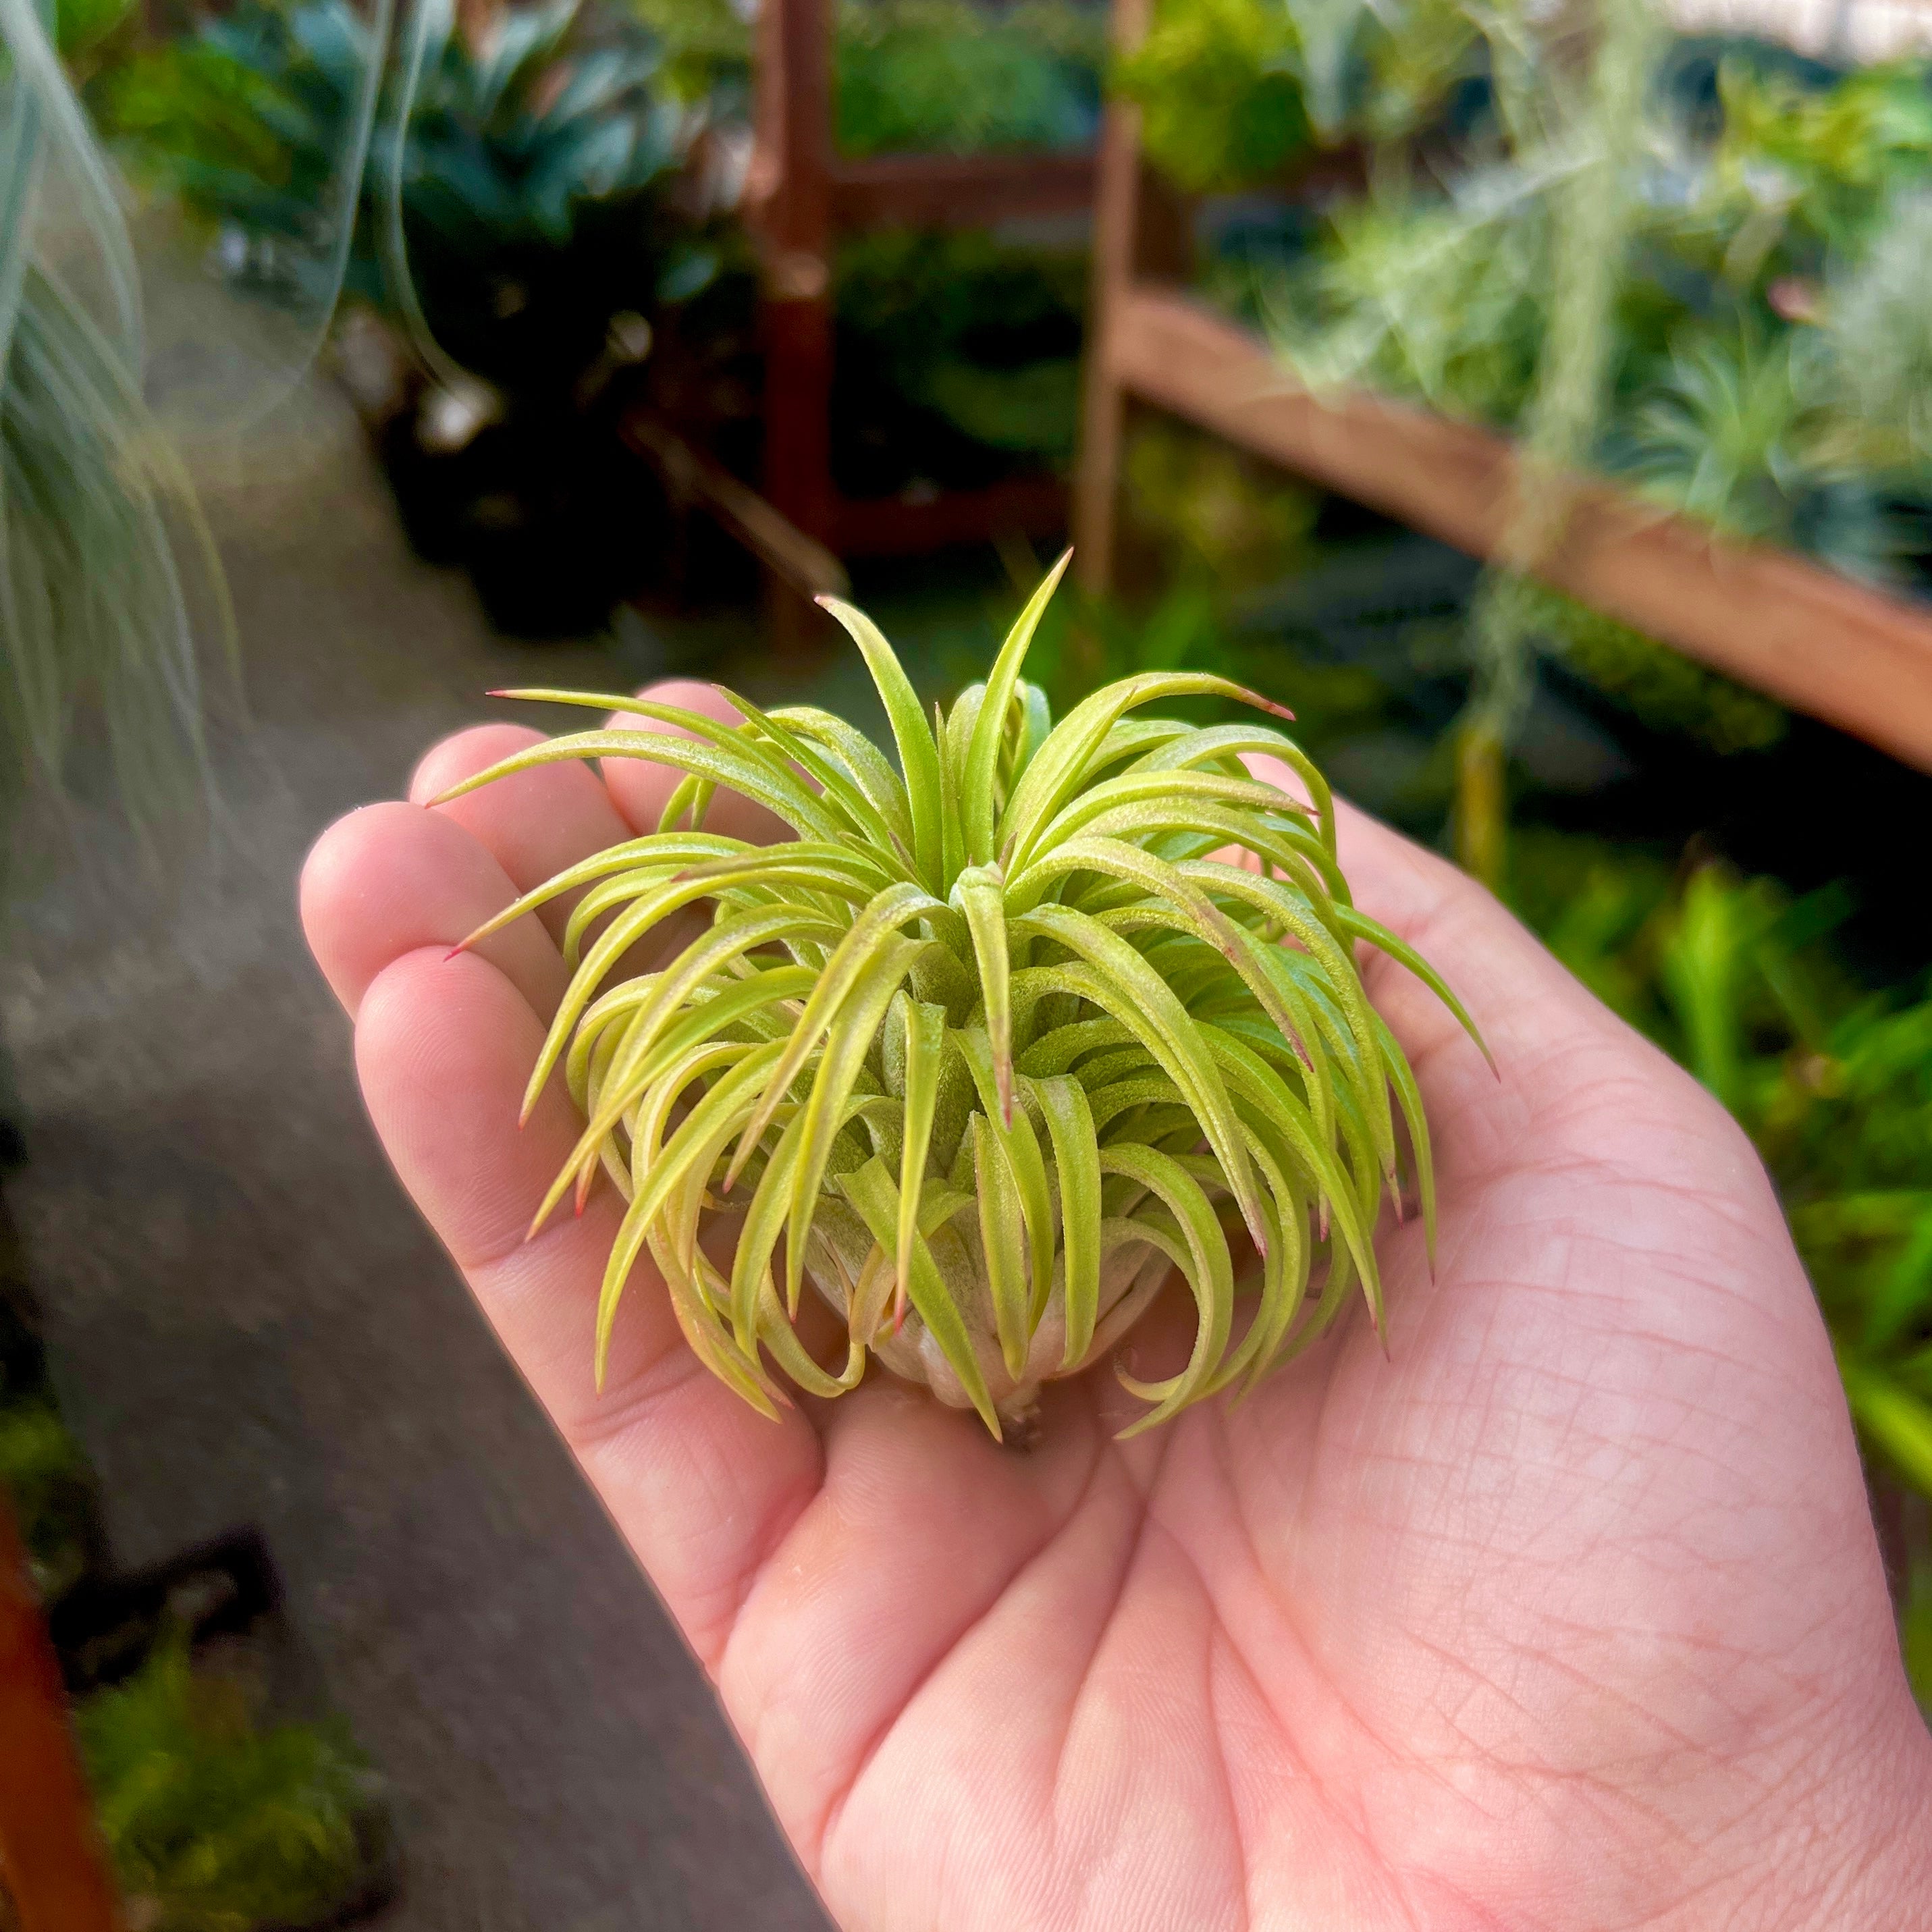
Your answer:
<point x="1267" y="704"/>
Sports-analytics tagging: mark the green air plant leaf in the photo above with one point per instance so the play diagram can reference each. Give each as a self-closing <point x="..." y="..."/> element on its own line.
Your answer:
<point x="996" y="1043"/>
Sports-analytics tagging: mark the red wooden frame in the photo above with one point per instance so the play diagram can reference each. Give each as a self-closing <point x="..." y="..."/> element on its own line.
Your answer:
<point x="802" y="197"/>
<point x="52" y="1875"/>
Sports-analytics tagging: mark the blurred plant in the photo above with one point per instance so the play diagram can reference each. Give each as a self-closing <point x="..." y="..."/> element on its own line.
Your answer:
<point x="1224" y="537"/>
<point x="565" y="171"/>
<point x="1601" y="290"/>
<point x="1727" y="434"/>
<point x="543" y="137"/>
<point x="1249" y="589"/>
<point x="1233" y="93"/>
<point x="101" y="542"/>
<point x="707" y="45"/>
<point x="1876" y="313"/>
<point x="1220" y="99"/>
<point x="1834" y="1084"/>
<point x="1662" y="689"/>
<point x="1420" y="56"/>
<point x="958" y="349"/>
<point x="949" y="77"/>
<point x="1588" y="902"/>
<point x="543" y="216"/>
<point x="936" y="76"/>
<point x="1915" y="1632"/>
<point x="1085" y="642"/>
<point x="87" y="33"/>
<point x="1444" y="299"/>
<point x="213" y="1823"/>
<point x="46" y="1481"/>
<point x="1214" y="513"/>
<point x="1771" y="383"/>
<point x="1599" y="123"/>
<point x="1798" y="172"/>
<point x="1744" y="432"/>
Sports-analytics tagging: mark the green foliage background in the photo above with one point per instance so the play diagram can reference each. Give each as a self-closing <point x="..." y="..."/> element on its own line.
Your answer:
<point x="214" y="1822"/>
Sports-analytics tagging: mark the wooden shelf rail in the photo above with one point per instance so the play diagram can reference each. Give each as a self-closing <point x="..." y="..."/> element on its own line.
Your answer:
<point x="1813" y="640"/>
<point x="801" y="196"/>
<point x="53" y="1877"/>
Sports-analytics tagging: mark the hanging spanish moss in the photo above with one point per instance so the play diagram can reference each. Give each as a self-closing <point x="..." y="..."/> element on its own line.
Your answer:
<point x="111" y="598"/>
<point x="1594" y="136"/>
<point x="98" y="531"/>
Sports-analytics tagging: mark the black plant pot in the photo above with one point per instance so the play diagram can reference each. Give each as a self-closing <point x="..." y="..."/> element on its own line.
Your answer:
<point x="554" y="519"/>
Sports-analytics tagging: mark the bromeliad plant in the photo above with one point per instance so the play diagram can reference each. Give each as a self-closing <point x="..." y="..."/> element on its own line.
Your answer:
<point x="989" y="1049"/>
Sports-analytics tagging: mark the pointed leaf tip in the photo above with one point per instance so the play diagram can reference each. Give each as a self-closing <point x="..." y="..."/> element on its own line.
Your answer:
<point x="1267" y="704"/>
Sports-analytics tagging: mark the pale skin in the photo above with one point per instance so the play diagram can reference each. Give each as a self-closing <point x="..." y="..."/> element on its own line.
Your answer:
<point x="1565" y="1611"/>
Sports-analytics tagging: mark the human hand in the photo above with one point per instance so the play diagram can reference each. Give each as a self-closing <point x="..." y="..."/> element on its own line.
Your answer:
<point x="1567" y="1612"/>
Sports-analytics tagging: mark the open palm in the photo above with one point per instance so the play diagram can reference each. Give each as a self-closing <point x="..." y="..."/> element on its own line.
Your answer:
<point x="1565" y="1611"/>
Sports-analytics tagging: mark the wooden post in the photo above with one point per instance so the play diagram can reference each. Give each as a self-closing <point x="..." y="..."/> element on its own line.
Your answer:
<point x="1143" y="229"/>
<point x="800" y="196"/>
<point x="789" y="198"/>
<point x="1104" y="405"/>
<point x="792" y="187"/>
<point x="52" y="1875"/>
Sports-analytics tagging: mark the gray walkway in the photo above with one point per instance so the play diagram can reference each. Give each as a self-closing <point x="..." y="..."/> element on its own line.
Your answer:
<point x="249" y="1324"/>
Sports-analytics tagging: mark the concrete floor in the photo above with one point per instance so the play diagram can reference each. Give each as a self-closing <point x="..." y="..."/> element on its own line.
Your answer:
<point x="249" y="1324"/>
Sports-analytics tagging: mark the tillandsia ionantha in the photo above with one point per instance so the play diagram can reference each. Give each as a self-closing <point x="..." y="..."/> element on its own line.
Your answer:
<point x="996" y="1043"/>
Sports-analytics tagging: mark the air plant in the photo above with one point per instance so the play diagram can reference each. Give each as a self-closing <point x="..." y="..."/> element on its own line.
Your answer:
<point x="1725" y="436"/>
<point x="992" y="1046"/>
